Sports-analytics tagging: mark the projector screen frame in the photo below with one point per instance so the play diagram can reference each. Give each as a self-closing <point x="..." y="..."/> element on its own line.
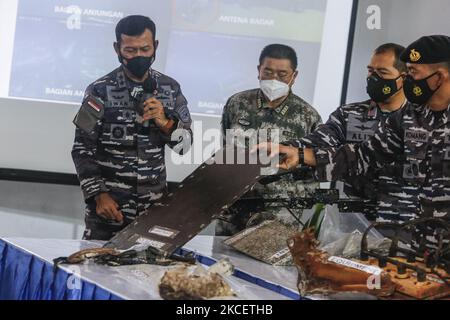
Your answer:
<point x="348" y="59"/>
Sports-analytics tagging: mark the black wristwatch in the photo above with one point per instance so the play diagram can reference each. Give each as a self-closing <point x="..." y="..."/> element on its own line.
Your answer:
<point x="301" y="156"/>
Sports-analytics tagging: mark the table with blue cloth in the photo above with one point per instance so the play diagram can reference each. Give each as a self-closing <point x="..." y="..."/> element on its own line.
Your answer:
<point x="27" y="272"/>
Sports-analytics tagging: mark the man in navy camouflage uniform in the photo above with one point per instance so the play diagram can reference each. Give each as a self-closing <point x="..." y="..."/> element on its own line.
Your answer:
<point x="395" y="198"/>
<point x="126" y="119"/>
<point x="418" y="134"/>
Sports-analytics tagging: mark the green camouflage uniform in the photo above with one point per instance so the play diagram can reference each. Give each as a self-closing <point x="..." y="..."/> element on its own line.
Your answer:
<point x="249" y="111"/>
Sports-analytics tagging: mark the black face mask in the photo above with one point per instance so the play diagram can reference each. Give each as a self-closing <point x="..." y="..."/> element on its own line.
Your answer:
<point x="418" y="91"/>
<point x="138" y="66"/>
<point x="379" y="89"/>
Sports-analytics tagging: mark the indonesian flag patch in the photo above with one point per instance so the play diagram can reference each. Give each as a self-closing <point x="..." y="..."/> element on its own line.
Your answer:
<point x="94" y="104"/>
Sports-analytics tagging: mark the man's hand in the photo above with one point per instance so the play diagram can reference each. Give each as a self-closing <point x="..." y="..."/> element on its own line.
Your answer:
<point x="154" y="110"/>
<point x="107" y="207"/>
<point x="290" y="159"/>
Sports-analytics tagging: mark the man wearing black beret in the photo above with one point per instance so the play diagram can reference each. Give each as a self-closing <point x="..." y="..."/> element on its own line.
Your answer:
<point x="428" y="62"/>
<point x="418" y="134"/>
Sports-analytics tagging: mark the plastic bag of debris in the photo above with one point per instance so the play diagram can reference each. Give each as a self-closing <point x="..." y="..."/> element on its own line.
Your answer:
<point x="341" y="233"/>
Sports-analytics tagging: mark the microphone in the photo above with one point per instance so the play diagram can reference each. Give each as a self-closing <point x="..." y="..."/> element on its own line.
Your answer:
<point x="149" y="87"/>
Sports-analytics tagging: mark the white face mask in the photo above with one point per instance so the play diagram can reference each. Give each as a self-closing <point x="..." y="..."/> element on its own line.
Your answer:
<point x="274" y="89"/>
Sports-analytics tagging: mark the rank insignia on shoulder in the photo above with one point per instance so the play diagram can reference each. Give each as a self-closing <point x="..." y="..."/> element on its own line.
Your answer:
<point x="284" y="110"/>
<point x="289" y="134"/>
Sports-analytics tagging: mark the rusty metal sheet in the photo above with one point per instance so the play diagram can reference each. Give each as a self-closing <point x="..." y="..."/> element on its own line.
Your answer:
<point x="201" y="197"/>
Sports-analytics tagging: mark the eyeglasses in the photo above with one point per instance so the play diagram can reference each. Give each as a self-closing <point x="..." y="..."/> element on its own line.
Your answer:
<point x="281" y="75"/>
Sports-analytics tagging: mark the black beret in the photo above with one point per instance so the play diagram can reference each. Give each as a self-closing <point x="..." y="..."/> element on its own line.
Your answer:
<point x="428" y="50"/>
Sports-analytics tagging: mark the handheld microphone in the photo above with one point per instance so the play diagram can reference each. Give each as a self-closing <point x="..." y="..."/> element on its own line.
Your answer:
<point x="149" y="86"/>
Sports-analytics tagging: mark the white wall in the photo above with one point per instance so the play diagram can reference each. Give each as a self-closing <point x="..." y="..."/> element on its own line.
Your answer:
<point x="39" y="210"/>
<point x="46" y="211"/>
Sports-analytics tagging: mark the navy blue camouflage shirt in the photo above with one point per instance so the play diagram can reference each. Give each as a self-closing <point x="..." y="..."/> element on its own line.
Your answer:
<point x="114" y="152"/>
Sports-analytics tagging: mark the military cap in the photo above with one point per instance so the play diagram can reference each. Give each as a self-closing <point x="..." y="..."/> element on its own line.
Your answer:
<point x="428" y="50"/>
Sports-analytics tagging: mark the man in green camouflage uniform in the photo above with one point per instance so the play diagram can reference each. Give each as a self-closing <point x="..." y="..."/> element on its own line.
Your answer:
<point x="272" y="112"/>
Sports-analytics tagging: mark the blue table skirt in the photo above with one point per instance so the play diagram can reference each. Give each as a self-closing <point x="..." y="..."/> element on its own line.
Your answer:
<point x="24" y="276"/>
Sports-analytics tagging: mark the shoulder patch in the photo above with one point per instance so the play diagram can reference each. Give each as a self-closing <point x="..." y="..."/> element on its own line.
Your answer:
<point x="183" y="113"/>
<point x="91" y="110"/>
<point x="94" y="103"/>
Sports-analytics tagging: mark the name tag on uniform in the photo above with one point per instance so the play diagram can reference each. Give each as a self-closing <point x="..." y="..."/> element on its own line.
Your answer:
<point x="356" y="136"/>
<point x="118" y="97"/>
<point x="244" y="122"/>
<point x="359" y="130"/>
<point x="418" y="136"/>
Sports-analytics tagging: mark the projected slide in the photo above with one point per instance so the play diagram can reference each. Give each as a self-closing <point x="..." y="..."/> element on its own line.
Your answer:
<point x="61" y="47"/>
<point x="225" y="39"/>
<point x="211" y="47"/>
<point x="212" y="75"/>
